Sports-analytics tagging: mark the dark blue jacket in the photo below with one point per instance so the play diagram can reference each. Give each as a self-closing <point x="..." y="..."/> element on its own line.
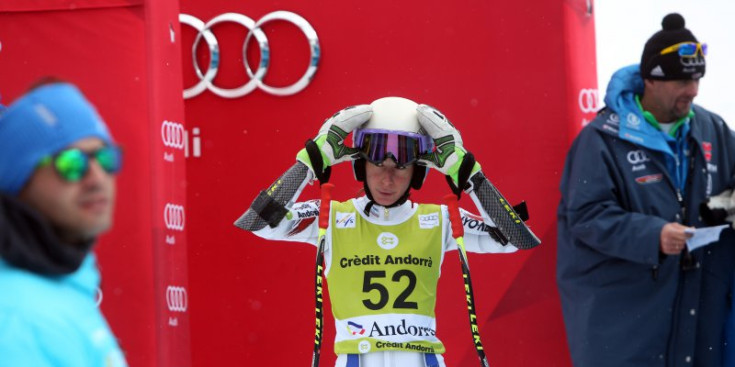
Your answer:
<point x="730" y="336"/>
<point x="625" y="303"/>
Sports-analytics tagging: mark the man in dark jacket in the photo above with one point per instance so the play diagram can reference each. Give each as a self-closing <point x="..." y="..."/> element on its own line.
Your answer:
<point x="632" y="293"/>
<point x="57" y="192"/>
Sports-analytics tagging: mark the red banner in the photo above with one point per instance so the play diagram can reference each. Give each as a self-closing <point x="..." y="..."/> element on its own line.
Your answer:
<point x="124" y="56"/>
<point x="501" y="72"/>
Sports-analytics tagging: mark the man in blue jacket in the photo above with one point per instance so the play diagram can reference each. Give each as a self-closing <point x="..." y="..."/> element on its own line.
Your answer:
<point x="632" y="294"/>
<point x="57" y="192"/>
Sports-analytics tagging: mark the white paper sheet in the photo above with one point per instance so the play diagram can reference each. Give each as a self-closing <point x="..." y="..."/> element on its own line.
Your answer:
<point x="704" y="236"/>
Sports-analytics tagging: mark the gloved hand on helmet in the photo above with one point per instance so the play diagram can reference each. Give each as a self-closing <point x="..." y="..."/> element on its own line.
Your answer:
<point x="719" y="209"/>
<point x="330" y="140"/>
<point x="448" y="153"/>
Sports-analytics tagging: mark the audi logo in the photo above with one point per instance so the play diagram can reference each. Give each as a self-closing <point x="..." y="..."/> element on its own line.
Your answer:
<point x="173" y="135"/>
<point x="689" y="61"/>
<point x="254" y="30"/>
<point x="176" y="299"/>
<point x="637" y="157"/>
<point x="173" y="217"/>
<point x="588" y="100"/>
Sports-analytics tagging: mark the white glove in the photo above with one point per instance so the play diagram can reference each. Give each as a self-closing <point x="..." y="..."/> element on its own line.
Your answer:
<point x="332" y="134"/>
<point x="449" y="152"/>
<point x="720" y="208"/>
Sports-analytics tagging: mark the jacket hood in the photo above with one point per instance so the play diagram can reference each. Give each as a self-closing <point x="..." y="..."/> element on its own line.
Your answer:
<point x="624" y="85"/>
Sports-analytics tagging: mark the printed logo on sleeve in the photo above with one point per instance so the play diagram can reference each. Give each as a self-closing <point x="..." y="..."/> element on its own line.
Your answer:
<point x="428" y="220"/>
<point x="344" y="220"/>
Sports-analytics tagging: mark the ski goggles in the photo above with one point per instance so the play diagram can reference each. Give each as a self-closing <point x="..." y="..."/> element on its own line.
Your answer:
<point x="73" y="164"/>
<point x="376" y="145"/>
<point x="686" y="49"/>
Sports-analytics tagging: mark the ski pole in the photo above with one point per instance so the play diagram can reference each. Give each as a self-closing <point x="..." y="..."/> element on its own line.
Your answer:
<point x="326" y="197"/>
<point x="458" y="234"/>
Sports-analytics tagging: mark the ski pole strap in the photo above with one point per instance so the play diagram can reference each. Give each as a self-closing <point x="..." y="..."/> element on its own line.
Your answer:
<point x="317" y="162"/>
<point x="458" y="234"/>
<point x="326" y="198"/>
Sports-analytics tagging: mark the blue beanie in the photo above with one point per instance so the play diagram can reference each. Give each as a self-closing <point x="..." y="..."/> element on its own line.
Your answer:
<point x="42" y="123"/>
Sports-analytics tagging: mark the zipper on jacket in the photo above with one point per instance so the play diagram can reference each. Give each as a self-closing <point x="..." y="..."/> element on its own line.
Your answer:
<point x="386" y="211"/>
<point x="687" y="260"/>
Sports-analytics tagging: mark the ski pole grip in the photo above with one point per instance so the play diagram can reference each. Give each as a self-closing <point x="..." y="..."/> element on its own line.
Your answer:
<point x="326" y="189"/>
<point x="454" y="217"/>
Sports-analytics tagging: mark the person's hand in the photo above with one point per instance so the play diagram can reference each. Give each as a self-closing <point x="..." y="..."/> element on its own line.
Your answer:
<point x="673" y="238"/>
<point x="332" y="134"/>
<point x="719" y="209"/>
<point x="448" y="151"/>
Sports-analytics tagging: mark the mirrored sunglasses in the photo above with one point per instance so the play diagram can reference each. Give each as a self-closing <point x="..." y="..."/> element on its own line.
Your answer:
<point x="73" y="164"/>
<point x="404" y="148"/>
<point x="686" y="49"/>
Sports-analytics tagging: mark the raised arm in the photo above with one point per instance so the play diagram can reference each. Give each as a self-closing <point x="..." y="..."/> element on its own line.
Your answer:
<point x="266" y="213"/>
<point x="451" y="159"/>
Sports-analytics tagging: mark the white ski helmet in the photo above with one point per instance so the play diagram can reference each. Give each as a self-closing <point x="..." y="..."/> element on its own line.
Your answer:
<point x="393" y="131"/>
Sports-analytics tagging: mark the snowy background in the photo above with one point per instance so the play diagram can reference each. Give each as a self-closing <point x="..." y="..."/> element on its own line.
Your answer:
<point x="624" y="26"/>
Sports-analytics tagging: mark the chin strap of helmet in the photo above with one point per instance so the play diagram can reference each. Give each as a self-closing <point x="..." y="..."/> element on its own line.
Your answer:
<point x="372" y="202"/>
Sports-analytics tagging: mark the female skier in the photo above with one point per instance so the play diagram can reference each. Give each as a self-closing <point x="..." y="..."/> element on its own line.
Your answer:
<point x="383" y="252"/>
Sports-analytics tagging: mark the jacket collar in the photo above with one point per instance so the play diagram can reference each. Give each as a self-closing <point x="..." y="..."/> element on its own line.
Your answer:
<point x="381" y="213"/>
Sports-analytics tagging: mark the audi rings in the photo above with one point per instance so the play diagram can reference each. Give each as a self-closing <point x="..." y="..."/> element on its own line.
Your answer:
<point x="172" y="134"/>
<point x="637" y="157"/>
<point x="254" y="30"/>
<point x="588" y="100"/>
<point x="173" y="217"/>
<point x="176" y="299"/>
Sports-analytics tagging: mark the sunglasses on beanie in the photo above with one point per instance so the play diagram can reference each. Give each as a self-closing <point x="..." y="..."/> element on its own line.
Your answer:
<point x="686" y="49"/>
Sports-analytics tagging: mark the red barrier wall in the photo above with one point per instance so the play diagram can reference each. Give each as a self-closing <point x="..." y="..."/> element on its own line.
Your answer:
<point x="121" y="54"/>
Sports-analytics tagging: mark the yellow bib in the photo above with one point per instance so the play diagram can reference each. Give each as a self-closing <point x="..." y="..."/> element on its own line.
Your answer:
<point x="382" y="280"/>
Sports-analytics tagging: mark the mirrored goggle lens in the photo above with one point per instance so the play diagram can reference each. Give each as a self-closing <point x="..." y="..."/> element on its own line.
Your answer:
<point x="690" y="49"/>
<point x="376" y="147"/>
<point x="73" y="164"/>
